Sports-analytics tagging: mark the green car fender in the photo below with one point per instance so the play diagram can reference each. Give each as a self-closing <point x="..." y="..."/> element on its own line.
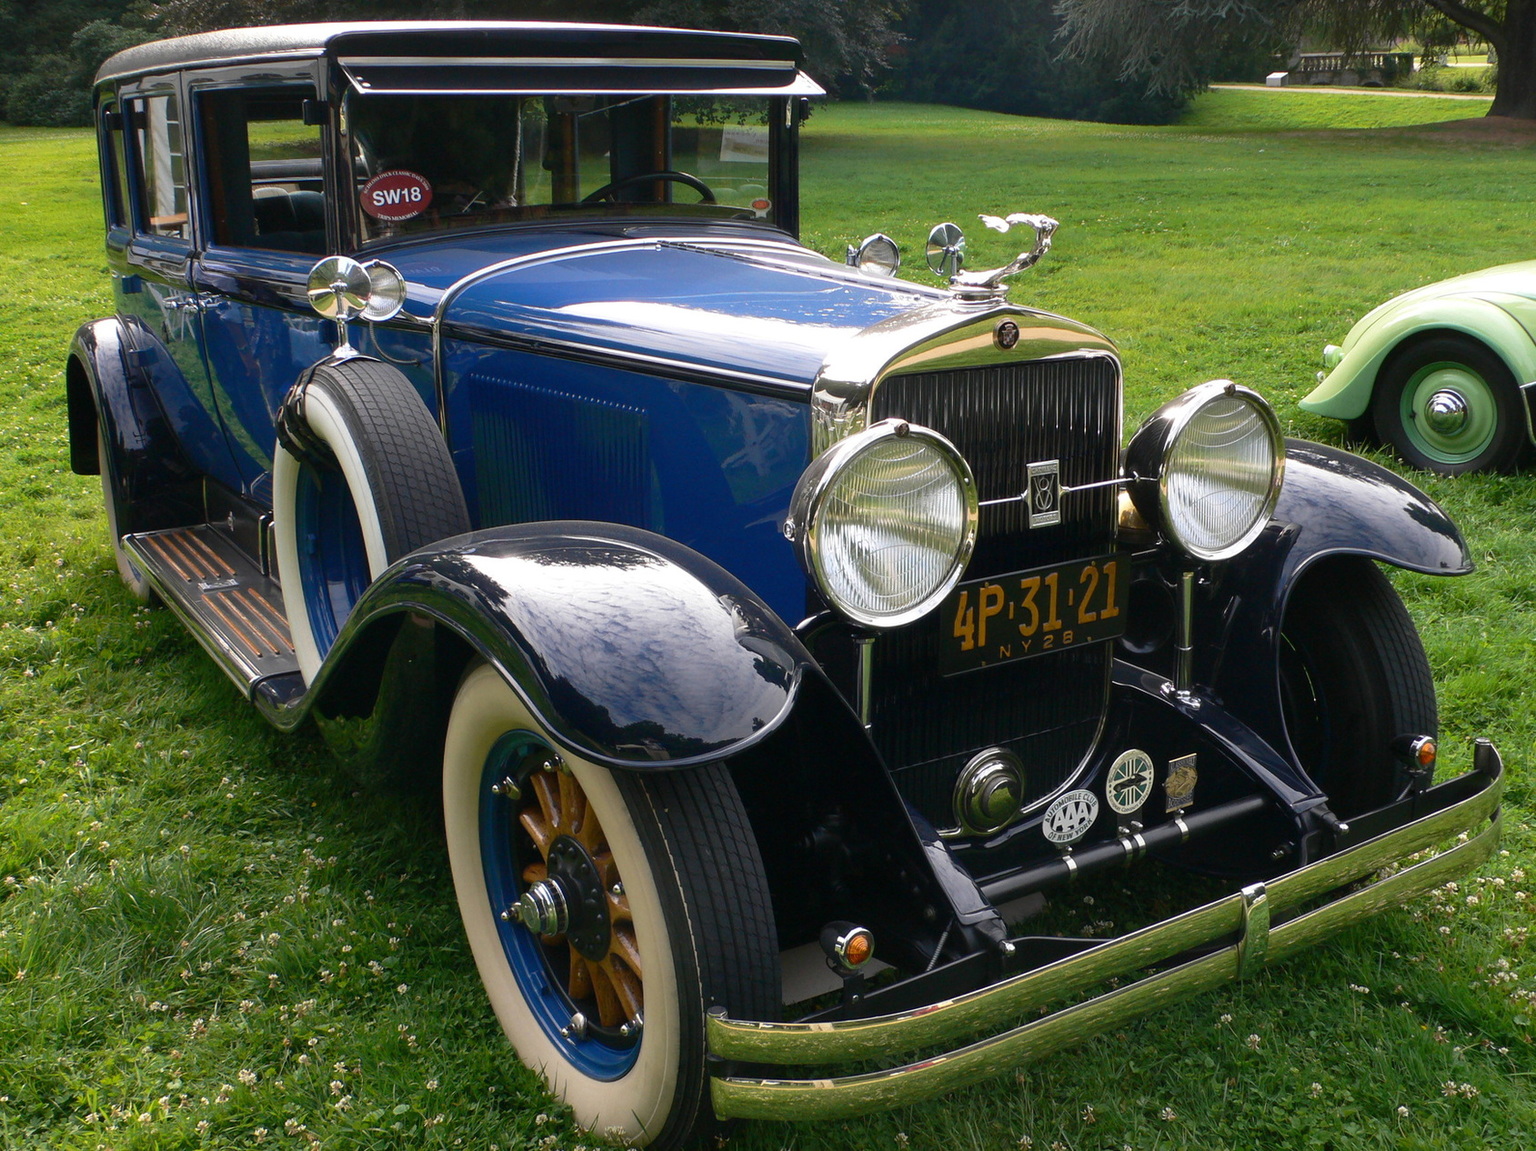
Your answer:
<point x="1345" y="393"/>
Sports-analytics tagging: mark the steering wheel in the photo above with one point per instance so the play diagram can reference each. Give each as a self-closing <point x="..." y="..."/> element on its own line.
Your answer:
<point x="607" y="191"/>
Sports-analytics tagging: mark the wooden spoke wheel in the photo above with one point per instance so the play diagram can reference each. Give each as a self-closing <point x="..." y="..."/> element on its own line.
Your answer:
<point x="607" y="912"/>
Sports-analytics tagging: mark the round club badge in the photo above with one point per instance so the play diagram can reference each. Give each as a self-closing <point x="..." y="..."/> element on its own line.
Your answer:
<point x="1068" y="819"/>
<point x="396" y="195"/>
<point x="1130" y="781"/>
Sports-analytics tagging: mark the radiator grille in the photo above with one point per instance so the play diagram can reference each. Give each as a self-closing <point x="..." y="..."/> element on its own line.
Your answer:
<point x="1002" y="419"/>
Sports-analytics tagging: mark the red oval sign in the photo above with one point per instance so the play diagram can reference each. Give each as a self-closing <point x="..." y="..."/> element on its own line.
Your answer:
<point x="396" y="195"/>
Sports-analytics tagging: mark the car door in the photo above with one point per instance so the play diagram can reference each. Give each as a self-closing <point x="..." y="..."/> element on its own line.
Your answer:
<point x="156" y="290"/>
<point x="264" y="218"/>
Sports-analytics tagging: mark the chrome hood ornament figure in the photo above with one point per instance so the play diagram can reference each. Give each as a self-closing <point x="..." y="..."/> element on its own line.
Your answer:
<point x="946" y="255"/>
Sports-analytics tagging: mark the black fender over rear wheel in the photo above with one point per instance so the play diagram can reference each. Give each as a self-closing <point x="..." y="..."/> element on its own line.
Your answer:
<point x="1353" y="677"/>
<point x="607" y="912"/>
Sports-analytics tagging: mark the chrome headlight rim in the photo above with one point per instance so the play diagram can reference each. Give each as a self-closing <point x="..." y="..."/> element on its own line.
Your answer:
<point x="877" y="255"/>
<point x="803" y="527"/>
<point x="1151" y="450"/>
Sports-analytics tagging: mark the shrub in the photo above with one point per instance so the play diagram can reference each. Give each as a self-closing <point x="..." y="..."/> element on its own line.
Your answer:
<point x="51" y="95"/>
<point x="56" y="92"/>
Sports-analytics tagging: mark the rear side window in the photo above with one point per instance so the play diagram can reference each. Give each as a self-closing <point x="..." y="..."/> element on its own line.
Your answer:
<point x="114" y="167"/>
<point x="265" y="186"/>
<point x="160" y="152"/>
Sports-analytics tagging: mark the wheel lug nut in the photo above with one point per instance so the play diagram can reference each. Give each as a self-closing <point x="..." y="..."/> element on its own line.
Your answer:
<point x="507" y="788"/>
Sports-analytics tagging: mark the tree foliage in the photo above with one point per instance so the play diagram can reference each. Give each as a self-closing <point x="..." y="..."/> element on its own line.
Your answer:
<point x="1001" y="55"/>
<point x="846" y="42"/>
<point x="1169" y="43"/>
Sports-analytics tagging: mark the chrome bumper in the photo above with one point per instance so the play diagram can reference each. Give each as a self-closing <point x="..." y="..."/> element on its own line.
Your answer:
<point x="1466" y="807"/>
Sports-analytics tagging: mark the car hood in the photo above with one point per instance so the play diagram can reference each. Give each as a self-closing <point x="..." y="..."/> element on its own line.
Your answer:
<point x="751" y="302"/>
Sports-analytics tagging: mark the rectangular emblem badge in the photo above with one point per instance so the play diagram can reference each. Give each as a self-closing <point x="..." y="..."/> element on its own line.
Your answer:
<point x="1045" y="493"/>
<point x="1179" y="787"/>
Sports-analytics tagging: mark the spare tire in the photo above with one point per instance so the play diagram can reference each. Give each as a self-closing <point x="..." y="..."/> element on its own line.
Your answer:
<point x="360" y="477"/>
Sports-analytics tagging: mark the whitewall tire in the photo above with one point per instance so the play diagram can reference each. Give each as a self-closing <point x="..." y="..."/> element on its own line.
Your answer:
<point x="677" y="914"/>
<point x="384" y="486"/>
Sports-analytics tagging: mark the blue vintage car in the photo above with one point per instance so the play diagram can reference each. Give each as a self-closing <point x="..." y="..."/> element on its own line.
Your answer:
<point x="764" y="622"/>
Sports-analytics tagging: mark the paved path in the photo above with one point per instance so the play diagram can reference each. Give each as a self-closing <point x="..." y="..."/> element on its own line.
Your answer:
<point x="1327" y="89"/>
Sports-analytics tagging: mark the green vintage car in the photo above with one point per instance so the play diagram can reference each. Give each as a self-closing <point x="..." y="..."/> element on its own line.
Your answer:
<point x="1443" y="373"/>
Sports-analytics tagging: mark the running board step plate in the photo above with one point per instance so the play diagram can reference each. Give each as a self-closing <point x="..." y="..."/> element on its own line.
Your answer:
<point x="233" y="610"/>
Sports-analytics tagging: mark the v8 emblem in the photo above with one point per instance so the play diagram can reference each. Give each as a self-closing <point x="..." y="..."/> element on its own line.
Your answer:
<point x="1045" y="494"/>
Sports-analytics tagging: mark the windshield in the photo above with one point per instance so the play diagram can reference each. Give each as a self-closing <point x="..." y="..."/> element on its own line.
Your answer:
<point x="425" y="162"/>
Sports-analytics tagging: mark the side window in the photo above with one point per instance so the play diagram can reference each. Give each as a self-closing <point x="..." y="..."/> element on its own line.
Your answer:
<point x="114" y="168"/>
<point x="160" y="151"/>
<point x="265" y="185"/>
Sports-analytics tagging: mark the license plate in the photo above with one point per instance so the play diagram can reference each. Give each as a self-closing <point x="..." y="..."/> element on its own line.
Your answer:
<point x="1030" y="613"/>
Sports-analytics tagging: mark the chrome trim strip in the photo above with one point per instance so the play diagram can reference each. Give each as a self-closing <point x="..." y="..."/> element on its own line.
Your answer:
<point x="1066" y="490"/>
<point x="831" y="1098"/>
<point x="830" y="1042"/>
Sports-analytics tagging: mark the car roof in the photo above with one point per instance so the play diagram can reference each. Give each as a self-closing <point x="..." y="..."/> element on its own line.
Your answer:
<point x="425" y="55"/>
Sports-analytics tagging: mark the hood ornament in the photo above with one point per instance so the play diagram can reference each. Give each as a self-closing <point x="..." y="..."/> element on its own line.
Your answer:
<point x="946" y="255"/>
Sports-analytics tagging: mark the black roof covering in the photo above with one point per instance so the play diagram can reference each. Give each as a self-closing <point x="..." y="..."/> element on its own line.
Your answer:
<point x="696" y="61"/>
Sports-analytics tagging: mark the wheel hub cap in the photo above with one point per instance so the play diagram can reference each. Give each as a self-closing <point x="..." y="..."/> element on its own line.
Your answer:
<point x="1446" y="412"/>
<point x="543" y="909"/>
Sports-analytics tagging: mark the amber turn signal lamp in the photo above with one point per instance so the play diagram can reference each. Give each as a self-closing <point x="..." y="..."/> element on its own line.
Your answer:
<point x="1416" y="750"/>
<point x="848" y="946"/>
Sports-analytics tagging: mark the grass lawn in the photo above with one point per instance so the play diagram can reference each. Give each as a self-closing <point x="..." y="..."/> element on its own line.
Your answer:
<point x="206" y="932"/>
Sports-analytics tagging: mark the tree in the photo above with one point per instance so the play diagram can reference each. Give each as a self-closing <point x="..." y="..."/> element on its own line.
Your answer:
<point x="846" y="42"/>
<point x="56" y="91"/>
<point x="1000" y="55"/>
<point x="1167" y="41"/>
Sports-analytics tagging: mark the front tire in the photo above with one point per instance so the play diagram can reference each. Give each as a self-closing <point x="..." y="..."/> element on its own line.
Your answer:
<point x="1450" y="405"/>
<point x="668" y="914"/>
<point x="1353" y="677"/>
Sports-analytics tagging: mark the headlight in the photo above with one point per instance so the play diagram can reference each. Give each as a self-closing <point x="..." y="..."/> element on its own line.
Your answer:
<point x="885" y="521"/>
<point x="877" y="255"/>
<point x="1205" y="469"/>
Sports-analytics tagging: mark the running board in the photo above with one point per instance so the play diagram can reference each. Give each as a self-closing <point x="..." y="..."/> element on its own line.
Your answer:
<point x="233" y="610"/>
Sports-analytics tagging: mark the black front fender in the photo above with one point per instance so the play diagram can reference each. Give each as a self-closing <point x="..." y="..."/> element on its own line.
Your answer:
<point x="1333" y="504"/>
<point x="632" y="650"/>
<point x="638" y="653"/>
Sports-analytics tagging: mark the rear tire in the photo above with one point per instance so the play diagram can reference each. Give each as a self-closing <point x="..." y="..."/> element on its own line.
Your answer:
<point x="133" y="579"/>
<point x="1353" y="677"/>
<point x="690" y="925"/>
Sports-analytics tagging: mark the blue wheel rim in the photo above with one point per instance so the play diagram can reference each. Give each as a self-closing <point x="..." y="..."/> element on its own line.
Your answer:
<point x="504" y="849"/>
<point x="333" y="560"/>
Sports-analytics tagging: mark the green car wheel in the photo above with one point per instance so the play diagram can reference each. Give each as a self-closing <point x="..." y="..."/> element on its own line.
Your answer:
<point x="1449" y="405"/>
